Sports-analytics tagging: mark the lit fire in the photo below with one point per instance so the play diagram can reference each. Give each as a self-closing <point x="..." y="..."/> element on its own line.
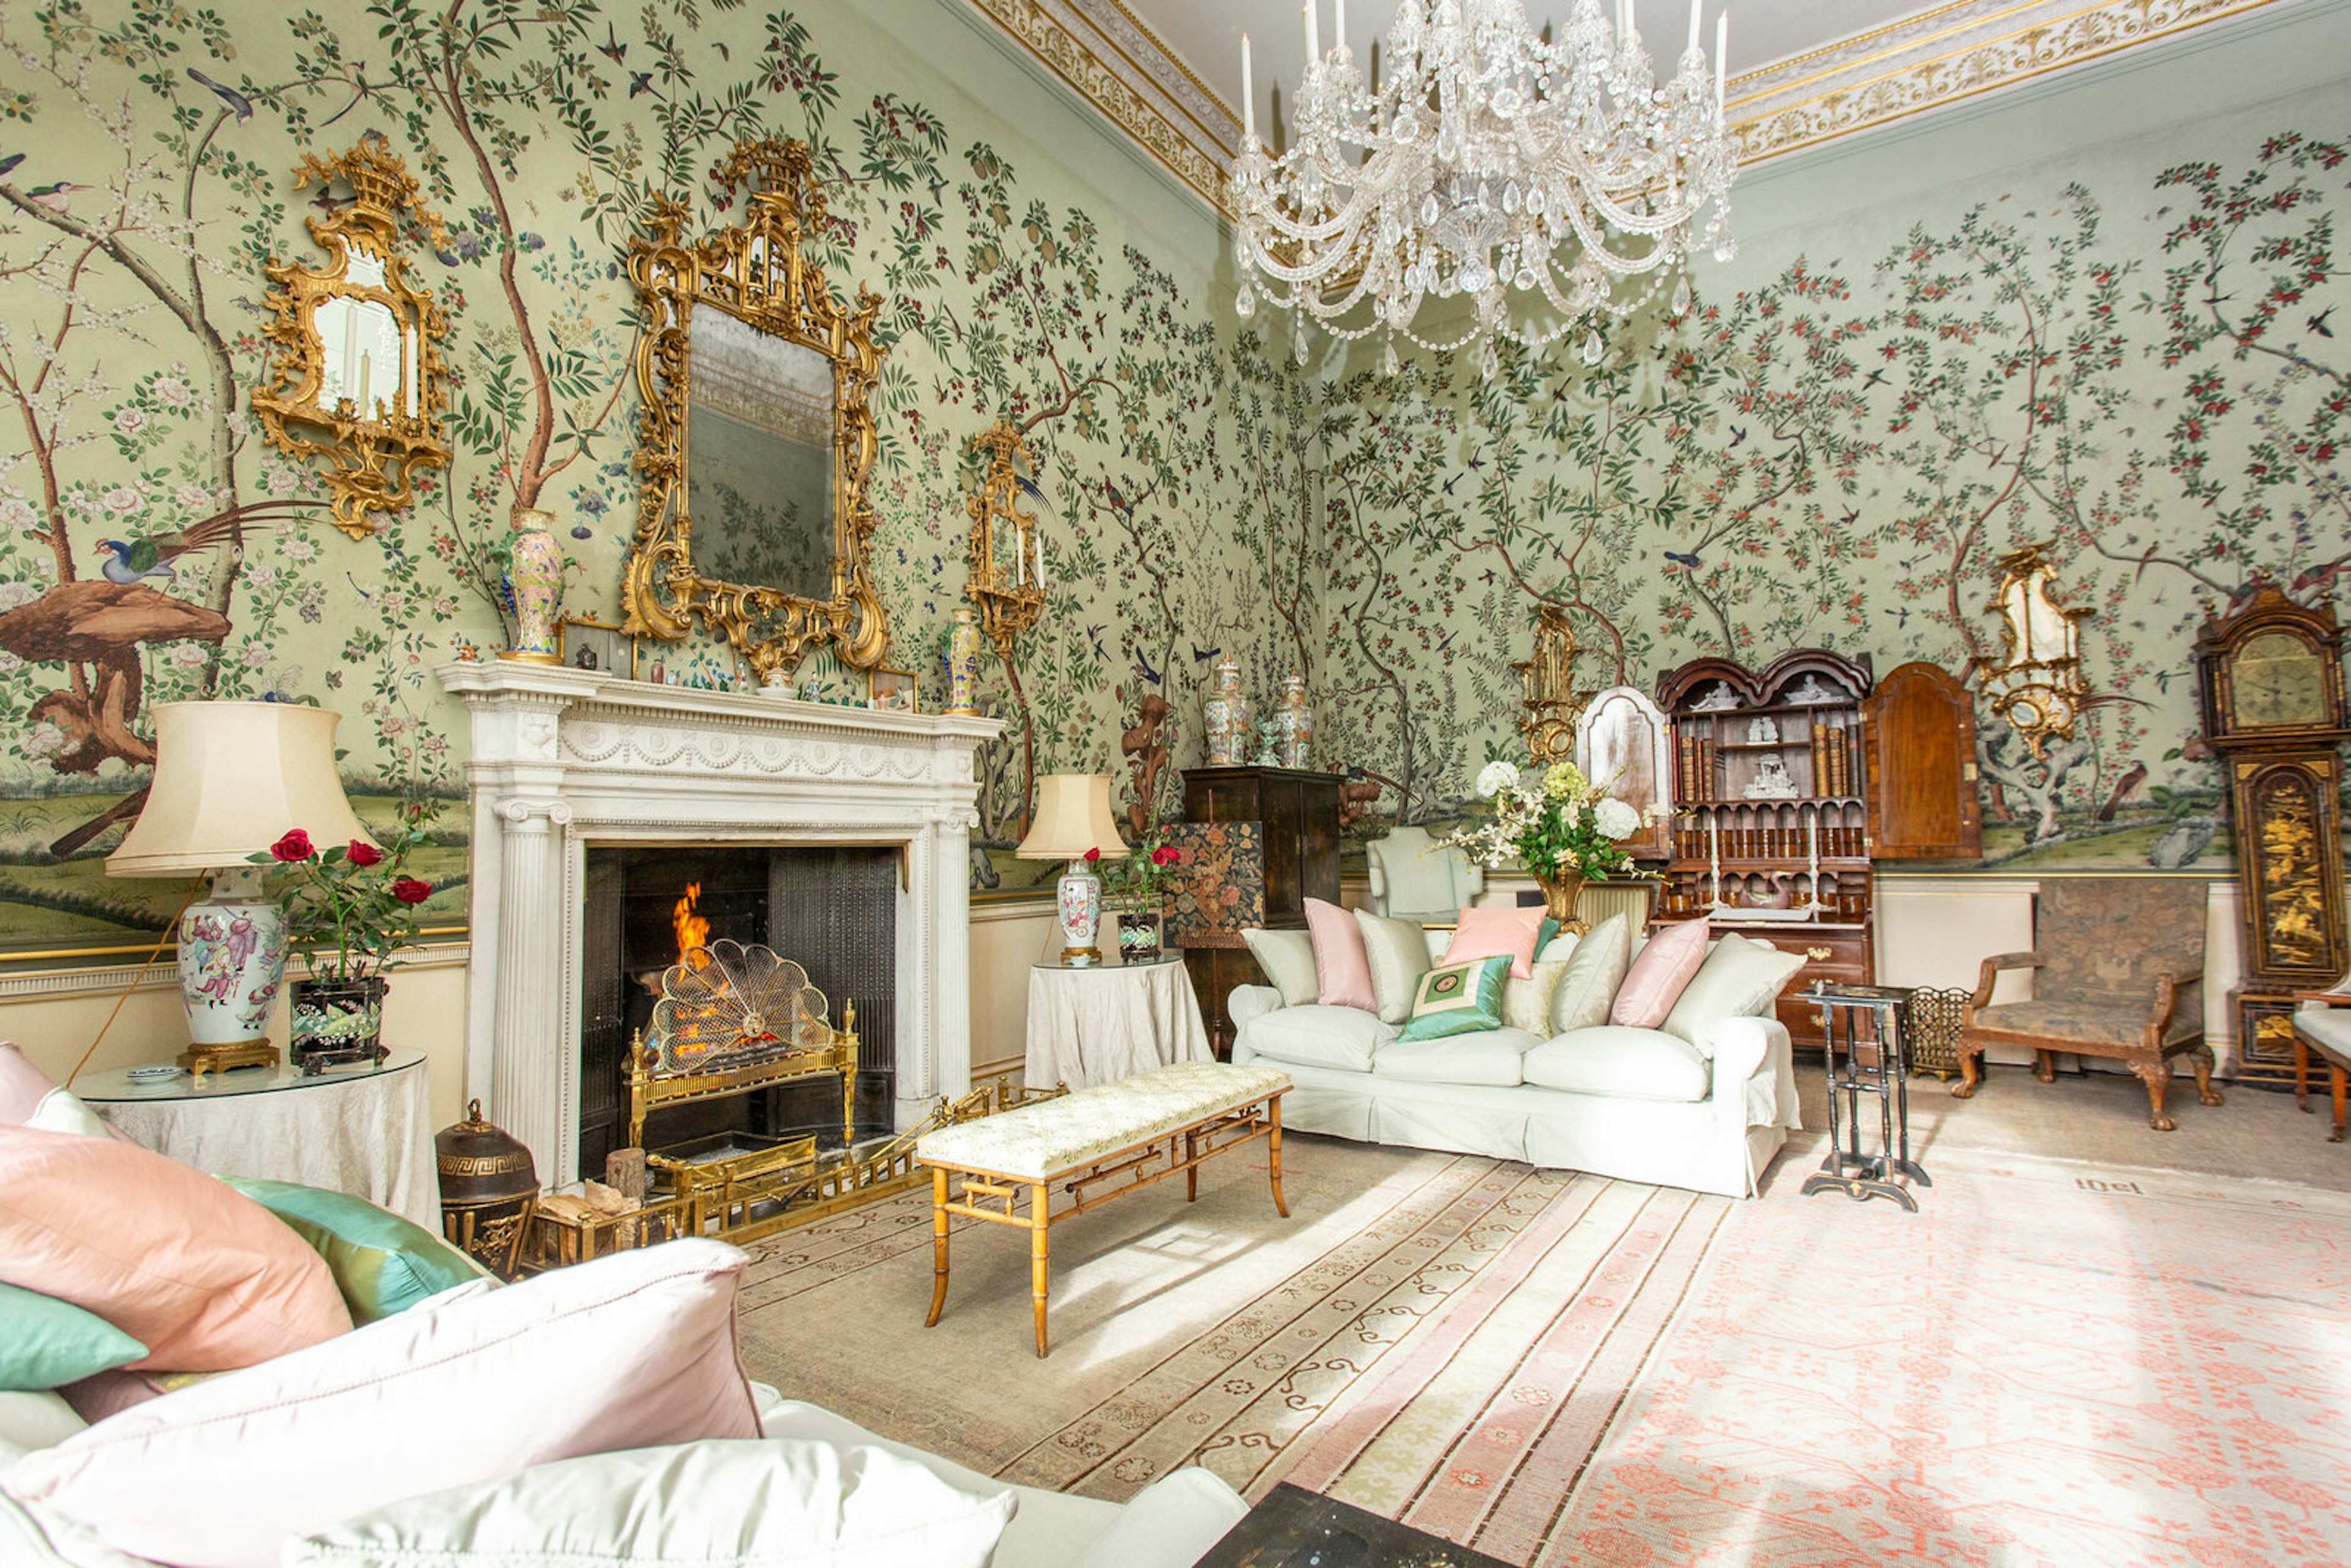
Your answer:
<point x="693" y="930"/>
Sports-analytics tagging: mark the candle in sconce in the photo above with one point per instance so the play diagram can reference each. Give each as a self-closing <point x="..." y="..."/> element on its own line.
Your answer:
<point x="1721" y="53"/>
<point x="1248" y="98"/>
<point x="1040" y="563"/>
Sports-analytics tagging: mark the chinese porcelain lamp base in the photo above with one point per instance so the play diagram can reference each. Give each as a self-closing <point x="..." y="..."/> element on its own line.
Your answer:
<point x="232" y="961"/>
<point x="1078" y="903"/>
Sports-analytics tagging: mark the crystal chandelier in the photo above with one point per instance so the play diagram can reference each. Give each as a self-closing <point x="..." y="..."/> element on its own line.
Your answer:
<point x="1470" y="169"/>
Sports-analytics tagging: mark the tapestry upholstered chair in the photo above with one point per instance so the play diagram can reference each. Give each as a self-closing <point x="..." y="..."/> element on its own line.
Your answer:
<point x="1415" y="878"/>
<point x="2119" y="970"/>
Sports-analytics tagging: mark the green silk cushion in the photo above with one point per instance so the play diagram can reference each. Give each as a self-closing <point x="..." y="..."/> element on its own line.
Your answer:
<point x="1287" y="959"/>
<point x="1594" y="971"/>
<point x="1399" y="951"/>
<point x="47" y="1343"/>
<point x="1459" y="999"/>
<point x="383" y="1264"/>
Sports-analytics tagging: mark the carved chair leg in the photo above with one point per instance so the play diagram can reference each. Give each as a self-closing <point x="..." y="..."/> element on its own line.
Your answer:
<point x="2202" y="1061"/>
<point x="2044" y="1066"/>
<point x="1970" y="1072"/>
<point x="2339" y="1079"/>
<point x="2157" y="1076"/>
<point x="2301" y="1074"/>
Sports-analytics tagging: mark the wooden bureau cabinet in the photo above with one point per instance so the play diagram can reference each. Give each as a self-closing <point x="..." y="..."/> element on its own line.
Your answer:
<point x="1298" y="813"/>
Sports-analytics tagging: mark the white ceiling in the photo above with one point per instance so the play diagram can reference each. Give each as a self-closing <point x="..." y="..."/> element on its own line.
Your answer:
<point x="1206" y="34"/>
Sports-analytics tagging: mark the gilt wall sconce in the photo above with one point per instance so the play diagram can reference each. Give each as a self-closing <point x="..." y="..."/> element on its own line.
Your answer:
<point x="2037" y="684"/>
<point x="356" y="375"/>
<point x="1548" y="710"/>
<point x="1007" y="580"/>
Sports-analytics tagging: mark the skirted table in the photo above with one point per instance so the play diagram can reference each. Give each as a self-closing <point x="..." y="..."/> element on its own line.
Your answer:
<point x="360" y="1130"/>
<point x="1108" y="1021"/>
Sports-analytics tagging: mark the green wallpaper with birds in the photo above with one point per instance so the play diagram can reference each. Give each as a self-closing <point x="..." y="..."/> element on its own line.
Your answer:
<point x="2134" y="355"/>
<point x="153" y="547"/>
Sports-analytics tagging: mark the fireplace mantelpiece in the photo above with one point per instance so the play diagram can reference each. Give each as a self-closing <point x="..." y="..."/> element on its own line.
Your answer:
<point x="563" y="758"/>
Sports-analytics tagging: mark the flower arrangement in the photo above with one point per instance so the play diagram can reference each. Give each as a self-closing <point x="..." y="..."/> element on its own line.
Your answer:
<point x="1563" y="824"/>
<point x="1139" y="877"/>
<point x="349" y="909"/>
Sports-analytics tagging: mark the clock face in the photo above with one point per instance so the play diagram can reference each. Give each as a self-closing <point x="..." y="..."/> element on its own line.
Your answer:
<point x="2277" y="680"/>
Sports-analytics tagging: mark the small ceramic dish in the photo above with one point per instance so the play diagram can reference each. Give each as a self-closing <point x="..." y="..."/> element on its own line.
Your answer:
<point x="149" y="1074"/>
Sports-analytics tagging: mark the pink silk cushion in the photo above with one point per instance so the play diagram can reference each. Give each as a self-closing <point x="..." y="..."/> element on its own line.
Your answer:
<point x="1660" y="973"/>
<point x="633" y="1350"/>
<point x="1343" y="967"/>
<point x="22" y="1086"/>
<point x="1484" y="932"/>
<point x="195" y="1271"/>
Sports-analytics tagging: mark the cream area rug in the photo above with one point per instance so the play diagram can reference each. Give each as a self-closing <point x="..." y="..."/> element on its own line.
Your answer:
<point x="2050" y="1363"/>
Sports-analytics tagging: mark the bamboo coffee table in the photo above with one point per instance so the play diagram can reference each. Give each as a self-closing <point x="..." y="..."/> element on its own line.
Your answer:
<point x="1141" y="1128"/>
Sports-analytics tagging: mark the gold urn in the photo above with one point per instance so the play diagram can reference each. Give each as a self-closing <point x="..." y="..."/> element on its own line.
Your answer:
<point x="488" y="1188"/>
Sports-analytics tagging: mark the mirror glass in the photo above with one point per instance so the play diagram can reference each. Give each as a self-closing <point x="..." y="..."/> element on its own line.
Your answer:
<point x="360" y="356"/>
<point x="759" y="457"/>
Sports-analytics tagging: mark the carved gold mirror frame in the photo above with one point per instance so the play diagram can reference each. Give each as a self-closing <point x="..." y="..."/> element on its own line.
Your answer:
<point x="756" y="275"/>
<point x="374" y="423"/>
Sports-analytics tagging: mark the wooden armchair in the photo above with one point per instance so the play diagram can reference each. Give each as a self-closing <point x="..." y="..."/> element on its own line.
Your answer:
<point x="2119" y="973"/>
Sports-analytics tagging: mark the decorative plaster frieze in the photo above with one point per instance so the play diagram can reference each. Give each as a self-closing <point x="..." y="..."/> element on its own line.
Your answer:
<point x="1923" y="61"/>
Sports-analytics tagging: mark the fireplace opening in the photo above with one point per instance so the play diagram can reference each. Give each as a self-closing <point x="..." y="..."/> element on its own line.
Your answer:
<point x="832" y="910"/>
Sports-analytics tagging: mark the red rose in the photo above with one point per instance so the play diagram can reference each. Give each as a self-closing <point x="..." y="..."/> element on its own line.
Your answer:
<point x="1092" y="855"/>
<point x="408" y="890"/>
<point x="365" y="853"/>
<point x="294" y="846"/>
<point x="1165" y="854"/>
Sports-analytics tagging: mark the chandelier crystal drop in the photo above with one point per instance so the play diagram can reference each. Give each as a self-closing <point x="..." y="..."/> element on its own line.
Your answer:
<point x="1544" y="183"/>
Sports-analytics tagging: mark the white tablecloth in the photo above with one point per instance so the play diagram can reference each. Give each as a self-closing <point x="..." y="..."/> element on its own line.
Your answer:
<point x="1101" y="1024"/>
<point x="364" y="1133"/>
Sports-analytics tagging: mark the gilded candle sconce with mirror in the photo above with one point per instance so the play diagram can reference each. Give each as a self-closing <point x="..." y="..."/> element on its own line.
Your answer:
<point x="2037" y="684"/>
<point x="356" y="377"/>
<point x="755" y="436"/>
<point x="1007" y="577"/>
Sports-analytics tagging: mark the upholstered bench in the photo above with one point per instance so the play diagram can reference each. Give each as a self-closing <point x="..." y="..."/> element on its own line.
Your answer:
<point x="1128" y="1134"/>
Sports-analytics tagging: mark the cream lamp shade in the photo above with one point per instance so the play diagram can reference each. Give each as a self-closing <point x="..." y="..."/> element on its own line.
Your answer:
<point x="229" y="778"/>
<point x="1073" y="816"/>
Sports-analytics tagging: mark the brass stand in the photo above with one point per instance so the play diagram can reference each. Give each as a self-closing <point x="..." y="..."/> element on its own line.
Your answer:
<point x="199" y="1060"/>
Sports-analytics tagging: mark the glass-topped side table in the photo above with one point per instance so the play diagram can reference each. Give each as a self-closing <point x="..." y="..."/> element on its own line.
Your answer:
<point x="1101" y="1022"/>
<point x="363" y="1129"/>
<point x="1877" y="1065"/>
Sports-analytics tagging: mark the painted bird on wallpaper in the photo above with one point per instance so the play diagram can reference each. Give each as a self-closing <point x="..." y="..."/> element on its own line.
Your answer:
<point x="238" y="104"/>
<point x="55" y="197"/>
<point x="130" y="561"/>
<point x="1678" y="558"/>
<point x="8" y="164"/>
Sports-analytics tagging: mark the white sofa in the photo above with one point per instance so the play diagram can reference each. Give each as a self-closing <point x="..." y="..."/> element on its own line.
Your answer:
<point x="1640" y="1104"/>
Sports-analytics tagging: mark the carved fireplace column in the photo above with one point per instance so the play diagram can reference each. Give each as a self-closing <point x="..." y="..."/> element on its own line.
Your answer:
<point x="531" y="1094"/>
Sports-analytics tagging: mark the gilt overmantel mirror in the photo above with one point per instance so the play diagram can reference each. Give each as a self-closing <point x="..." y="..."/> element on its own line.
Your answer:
<point x="756" y="435"/>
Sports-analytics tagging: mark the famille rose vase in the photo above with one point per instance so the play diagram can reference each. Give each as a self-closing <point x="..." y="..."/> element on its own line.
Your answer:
<point x="1078" y="901"/>
<point x="1294" y="722"/>
<point x="536" y="581"/>
<point x="232" y="961"/>
<point x="963" y="664"/>
<point x="1224" y="714"/>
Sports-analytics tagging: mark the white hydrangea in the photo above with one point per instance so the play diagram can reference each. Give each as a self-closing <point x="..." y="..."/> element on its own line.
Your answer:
<point x="1495" y="778"/>
<point x="1614" y="817"/>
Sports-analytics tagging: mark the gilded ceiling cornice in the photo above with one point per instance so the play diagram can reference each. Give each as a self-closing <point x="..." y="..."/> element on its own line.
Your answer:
<point x="1921" y="62"/>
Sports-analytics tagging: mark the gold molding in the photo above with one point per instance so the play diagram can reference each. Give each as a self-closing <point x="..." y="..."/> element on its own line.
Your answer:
<point x="372" y="456"/>
<point x="1870" y="79"/>
<point x="755" y="273"/>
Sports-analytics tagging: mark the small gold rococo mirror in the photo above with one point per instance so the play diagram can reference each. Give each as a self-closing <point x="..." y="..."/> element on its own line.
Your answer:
<point x="356" y="376"/>
<point x="756" y="438"/>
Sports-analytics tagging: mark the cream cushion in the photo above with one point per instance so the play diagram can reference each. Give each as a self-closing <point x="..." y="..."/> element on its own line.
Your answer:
<point x="1032" y="1142"/>
<point x="729" y="1503"/>
<point x="62" y="1111"/>
<point x="1621" y="1063"/>
<point x="1490" y="1057"/>
<point x="1398" y="953"/>
<point x="629" y="1351"/>
<point x="1287" y="959"/>
<point x="1594" y="969"/>
<point x="1526" y="1004"/>
<point x="33" y="1419"/>
<point x="1344" y="1038"/>
<point x="1738" y="980"/>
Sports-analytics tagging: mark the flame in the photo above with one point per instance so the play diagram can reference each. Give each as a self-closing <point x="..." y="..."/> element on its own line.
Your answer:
<point x="693" y="931"/>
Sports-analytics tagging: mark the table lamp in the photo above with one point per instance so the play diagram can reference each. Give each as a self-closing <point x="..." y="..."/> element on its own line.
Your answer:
<point x="231" y="780"/>
<point x="1073" y="816"/>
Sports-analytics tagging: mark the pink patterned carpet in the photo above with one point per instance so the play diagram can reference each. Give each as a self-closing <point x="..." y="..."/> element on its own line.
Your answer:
<point x="2052" y="1363"/>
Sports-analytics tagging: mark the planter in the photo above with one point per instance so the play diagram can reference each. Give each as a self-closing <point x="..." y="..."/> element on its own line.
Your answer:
<point x="1140" y="935"/>
<point x="1559" y="898"/>
<point x="333" y="1022"/>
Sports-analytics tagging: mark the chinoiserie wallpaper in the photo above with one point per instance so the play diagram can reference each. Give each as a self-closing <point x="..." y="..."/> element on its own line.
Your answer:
<point x="153" y="547"/>
<point x="2138" y="355"/>
<point x="2132" y="353"/>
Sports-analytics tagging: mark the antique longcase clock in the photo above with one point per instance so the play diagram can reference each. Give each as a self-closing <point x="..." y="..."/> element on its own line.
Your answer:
<point x="2270" y="679"/>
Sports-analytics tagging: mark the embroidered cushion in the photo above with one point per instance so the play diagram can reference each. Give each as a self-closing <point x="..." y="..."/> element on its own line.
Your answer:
<point x="1456" y="999"/>
<point x="1343" y="971"/>
<point x="1526" y="1004"/>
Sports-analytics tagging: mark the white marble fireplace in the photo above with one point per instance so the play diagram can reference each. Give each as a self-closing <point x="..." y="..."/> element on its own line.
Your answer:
<point x="564" y="759"/>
